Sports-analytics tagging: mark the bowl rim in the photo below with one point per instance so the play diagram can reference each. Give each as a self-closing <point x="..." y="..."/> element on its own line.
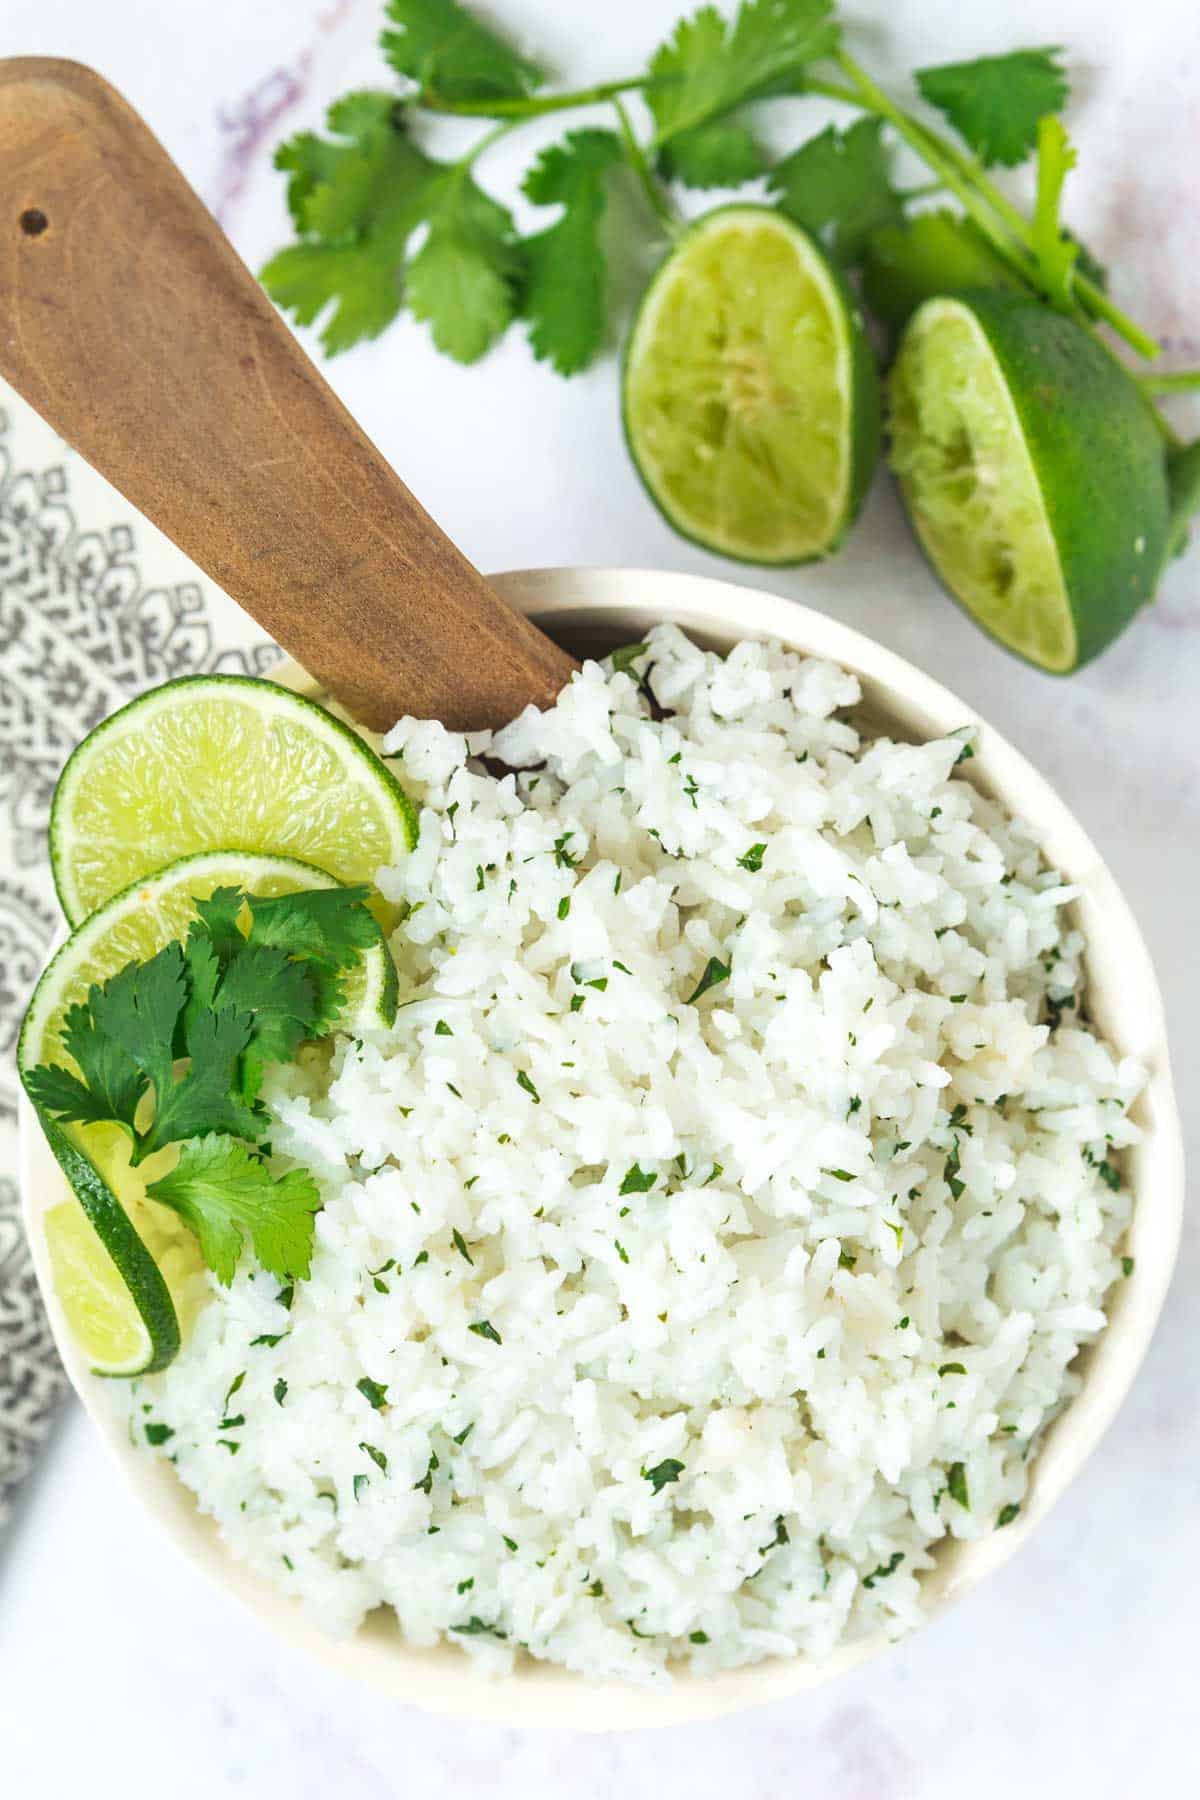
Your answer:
<point x="442" y="1679"/>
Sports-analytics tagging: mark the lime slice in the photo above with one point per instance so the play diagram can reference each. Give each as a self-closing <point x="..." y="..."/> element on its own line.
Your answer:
<point x="1032" y="471"/>
<point x="115" y="1299"/>
<point x="133" y="925"/>
<point x="221" y="762"/>
<point x="750" y="395"/>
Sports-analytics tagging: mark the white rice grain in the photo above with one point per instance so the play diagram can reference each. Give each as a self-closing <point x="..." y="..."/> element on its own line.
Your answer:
<point x="780" y="1283"/>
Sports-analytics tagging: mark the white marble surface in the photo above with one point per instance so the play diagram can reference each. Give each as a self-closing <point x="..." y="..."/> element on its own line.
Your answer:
<point x="1074" y="1672"/>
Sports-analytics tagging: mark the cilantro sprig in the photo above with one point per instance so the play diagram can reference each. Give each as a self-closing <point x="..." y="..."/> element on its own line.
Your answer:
<point x="174" y="1049"/>
<point x="381" y="224"/>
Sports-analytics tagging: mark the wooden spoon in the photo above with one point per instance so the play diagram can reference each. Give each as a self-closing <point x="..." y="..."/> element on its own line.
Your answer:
<point x="130" y="324"/>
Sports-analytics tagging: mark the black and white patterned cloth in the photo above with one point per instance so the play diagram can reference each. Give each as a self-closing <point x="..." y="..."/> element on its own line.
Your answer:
<point x="95" y="605"/>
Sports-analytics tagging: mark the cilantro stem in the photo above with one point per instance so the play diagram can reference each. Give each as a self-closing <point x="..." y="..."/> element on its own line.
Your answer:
<point x="486" y="142"/>
<point x="659" y="204"/>
<point x="534" y="106"/>
<point x="922" y="191"/>
<point x="1095" y="301"/>
<point x="1177" y="381"/>
<point x="982" y="200"/>
<point x="962" y="181"/>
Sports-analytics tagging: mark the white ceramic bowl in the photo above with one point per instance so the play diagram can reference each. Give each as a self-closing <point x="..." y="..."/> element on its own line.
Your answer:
<point x="595" y="609"/>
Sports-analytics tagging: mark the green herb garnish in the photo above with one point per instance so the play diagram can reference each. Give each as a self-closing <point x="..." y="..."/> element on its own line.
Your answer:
<point x="193" y="1029"/>
<point x="663" y="1473"/>
<point x="714" y="973"/>
<point x="460" y="1244"/>
<point x="475" y="1627"/>
<point x="885" y="1569"/>
<point x="636" y="1180"/>
<point x="381" y="225"/>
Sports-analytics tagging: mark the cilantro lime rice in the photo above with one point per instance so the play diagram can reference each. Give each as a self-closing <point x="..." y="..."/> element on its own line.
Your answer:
<point x="713" y="1233"/>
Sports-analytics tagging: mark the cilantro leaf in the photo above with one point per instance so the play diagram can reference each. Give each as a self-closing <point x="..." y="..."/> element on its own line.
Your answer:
<point x="1057" y="254"/>
<point x="331" y="923"/>
<point x="280" y="997"/>
<point x="663" y="1473"/>
<point x="935" y="253"/>
<point x="722" y="154"/>
<point x="308" y="161"/>
<point x="356" y="282"/>
<point x="715" y="971"/>
<point x="122" y="1040"/>
<point x="217" y="920"/>
<point x="208" y="1097"/>
<point x="711" y="65"/>
<point x="564" y="292"/>
<point x="204" y="978"/>
<point x="837" y="186"/>
<point x="883" y="1570"/>
<point x="464" y="280"/>
<point x="128" y="1025"/>
<point x="995" y="102"/>
<point x="358" y="203"/>
<point x="55" y="1090"/>
<point x="637" y="1181"/>
<point x="226" y="1194"/>
<point x="452" y="56"/>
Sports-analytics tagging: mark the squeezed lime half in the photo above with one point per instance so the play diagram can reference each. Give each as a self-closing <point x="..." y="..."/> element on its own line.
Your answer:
<point x="750" y="395"/>
<point x="1032" y="471"/>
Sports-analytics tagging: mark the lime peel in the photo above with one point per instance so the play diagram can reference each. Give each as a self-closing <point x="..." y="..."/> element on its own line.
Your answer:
<point x="110" y="1288"/>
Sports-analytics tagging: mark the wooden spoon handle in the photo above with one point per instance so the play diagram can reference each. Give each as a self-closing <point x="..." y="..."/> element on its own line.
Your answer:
<point x="128" y="321"/>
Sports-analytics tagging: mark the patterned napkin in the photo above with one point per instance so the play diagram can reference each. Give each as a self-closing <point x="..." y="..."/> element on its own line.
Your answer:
<point x="95" y="605"/>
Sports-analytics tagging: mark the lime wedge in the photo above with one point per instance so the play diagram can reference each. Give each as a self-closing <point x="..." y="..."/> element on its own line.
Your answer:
<point x="1032" y="471"/>
<point x="115" y="1300"/>
<point x="750" y="395"/>
<point x="221" y="762"/>
<point x="136" y="923"/>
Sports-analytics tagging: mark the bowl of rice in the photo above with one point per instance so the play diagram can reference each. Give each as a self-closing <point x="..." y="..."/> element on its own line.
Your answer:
<point x="749" y="1226"/>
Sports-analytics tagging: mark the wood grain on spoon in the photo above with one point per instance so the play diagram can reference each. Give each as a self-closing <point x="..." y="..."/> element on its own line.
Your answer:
<point x="128" y="321"/>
